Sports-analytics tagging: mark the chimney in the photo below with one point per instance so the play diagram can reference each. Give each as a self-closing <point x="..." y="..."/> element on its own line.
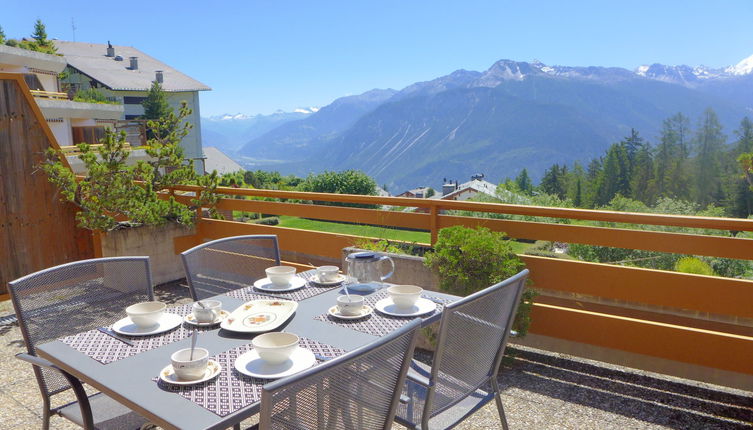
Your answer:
<point x="110" y="50"/>
<point x="134" y="63"/>
<point x="158" y="76"/>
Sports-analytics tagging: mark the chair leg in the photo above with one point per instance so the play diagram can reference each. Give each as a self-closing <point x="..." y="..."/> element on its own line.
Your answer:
<point x="500" y="409"/>
<point x="237" y="426"/>
<point x="47" y="413"/>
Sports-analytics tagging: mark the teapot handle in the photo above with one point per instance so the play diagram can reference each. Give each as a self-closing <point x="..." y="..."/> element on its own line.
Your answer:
<point x="392" y="263"/>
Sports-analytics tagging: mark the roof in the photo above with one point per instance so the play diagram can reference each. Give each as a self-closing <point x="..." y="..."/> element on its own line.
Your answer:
<point x="32" y="59"/>
<point x="480" y="186"/>
<point x="217" y="160"/>
<point x="91" y="59"/>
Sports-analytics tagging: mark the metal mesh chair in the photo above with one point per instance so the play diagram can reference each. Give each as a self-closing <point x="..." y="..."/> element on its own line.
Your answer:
<point x="228" y="264"/>
<point x="472" y="337"/>
<point x="359" y="390"/>
<point x="69" y="299"/>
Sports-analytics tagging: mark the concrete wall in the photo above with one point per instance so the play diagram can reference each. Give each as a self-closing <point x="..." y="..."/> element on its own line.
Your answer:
<point x="62" y="132"/>
<point x="153" y="241"/>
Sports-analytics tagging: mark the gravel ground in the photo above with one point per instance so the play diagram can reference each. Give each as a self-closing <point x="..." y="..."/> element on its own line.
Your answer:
<point x="540" y="390"/>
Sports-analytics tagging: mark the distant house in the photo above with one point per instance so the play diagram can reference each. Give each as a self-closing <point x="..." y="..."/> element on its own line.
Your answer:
<point x="454" y="191"/>
<point x="418" y="193"/>
<point x="214" y="159"/>
<point x="125" y="74"/>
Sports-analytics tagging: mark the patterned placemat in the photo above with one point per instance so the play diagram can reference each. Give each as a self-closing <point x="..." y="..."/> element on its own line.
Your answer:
<point x="379" y="324"/>
<point x="231" y="390"/>
<point x="311" y="289"/>
<point x="106" y="349"/>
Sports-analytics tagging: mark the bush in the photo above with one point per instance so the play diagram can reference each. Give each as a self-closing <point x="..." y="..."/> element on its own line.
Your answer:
<point x="268" y="221"/>
<point x="92" y="95"/>
<point x="469" y="260"/>
<point x="694" y="266"/>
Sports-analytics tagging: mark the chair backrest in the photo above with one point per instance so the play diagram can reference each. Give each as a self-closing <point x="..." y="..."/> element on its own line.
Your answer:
<point x="472" y="337"/>
<point x="76" y="297"/>
<point x="359" y="390"/>
<point x="230" y="263"/>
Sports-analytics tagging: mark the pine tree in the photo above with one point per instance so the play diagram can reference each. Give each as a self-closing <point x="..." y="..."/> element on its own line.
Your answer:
<point x="592" y="181"/>
<point x="553" y="181"/>
<point x="709" y="143"/>
<point x="524" y="183"/>
<point x="614" y="178"/>
<point x="2" y="35"/>
<point x="40" y="33"/>
<point x="155" y="105"/>
<point x="741" y="197"/>
<point x="642" y="178"/>
<point x="671" y="176"/>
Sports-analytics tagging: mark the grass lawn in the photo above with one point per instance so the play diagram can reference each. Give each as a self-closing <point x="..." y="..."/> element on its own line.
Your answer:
<point x="370" y="231"/>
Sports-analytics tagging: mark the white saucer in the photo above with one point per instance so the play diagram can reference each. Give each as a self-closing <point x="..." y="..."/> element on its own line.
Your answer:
<point x="339" y="279"/>
<point x="191" y="319"/>
<point x="366" y="310"/>
<point x="421" y="307"/>
<point x="166" y="322"/>
<point x="264" y="284"/>
<point x="168" y="374"/>
<point x="251" y="365"/>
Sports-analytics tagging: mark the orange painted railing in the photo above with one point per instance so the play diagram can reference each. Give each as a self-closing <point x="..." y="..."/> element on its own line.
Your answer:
<point x="699" y="320"/>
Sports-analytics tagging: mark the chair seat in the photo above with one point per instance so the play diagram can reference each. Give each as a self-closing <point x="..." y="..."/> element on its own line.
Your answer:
<point x="409" y="413"/>
<point x="107" y="413"/>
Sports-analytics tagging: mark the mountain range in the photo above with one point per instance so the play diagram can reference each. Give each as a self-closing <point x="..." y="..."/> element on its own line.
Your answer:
<point x="496" y="122"/>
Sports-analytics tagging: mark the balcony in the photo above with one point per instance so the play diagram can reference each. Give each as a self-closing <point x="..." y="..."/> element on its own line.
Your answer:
<point x="610" y="346"/>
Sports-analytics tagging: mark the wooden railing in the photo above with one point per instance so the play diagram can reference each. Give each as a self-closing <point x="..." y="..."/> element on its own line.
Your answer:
<point x="49" y="94"/>
<point x="693" y="319"/>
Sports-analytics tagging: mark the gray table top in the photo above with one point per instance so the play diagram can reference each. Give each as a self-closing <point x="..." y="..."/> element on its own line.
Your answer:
<point x="130" y="380"/>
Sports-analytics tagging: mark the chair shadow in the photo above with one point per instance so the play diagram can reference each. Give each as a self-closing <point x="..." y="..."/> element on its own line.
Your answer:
<point x="646" y="398"/>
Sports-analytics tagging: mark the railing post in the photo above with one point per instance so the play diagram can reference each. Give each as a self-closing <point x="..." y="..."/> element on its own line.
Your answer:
<point x="433" y="223"/>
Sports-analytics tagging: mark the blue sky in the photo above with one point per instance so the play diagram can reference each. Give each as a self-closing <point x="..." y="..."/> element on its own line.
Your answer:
<point x="259" y="56"/>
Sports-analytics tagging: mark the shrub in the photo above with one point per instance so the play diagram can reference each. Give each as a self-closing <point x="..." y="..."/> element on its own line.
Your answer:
<point x="92" y="95"/>
<point x="469" y="260"/>
<point x="694" y="266"/>
<point x="273" y="220"/>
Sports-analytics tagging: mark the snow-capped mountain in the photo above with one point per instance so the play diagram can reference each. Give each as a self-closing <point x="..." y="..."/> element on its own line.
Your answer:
<point x="229" y="132"/>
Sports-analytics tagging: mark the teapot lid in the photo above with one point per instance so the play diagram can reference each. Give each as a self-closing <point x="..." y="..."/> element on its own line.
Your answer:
<point x="363" y="255"/>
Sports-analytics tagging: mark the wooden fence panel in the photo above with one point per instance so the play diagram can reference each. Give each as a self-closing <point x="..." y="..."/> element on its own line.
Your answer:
<point x="36" y="229"/>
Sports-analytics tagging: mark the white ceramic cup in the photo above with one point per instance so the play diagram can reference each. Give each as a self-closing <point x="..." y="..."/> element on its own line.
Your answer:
<point x="327" y="273"/>
<point x="187" y="369"/>
<point x="349" y="305"/>
<point x="280" y="275"/>
<point x="146" y="314"/>
<point x="275" y="347"/>
<point x="404" y="296"/>
<point x="209" y="312"/>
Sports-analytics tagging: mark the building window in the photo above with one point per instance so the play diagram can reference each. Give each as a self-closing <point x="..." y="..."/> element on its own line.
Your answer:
<point x="33" y="82"/>
<point x="133" y="100"/>
<point x="90" y="135"/>
<point x="132" y="117"/>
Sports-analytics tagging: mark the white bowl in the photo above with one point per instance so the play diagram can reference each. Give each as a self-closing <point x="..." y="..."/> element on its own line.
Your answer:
<point x="186" y="368"/>
<point x="327" y="273"/>
<point x="349" y="305"/>
<point x="146" y="314"/>
<point x="275" y="347"/>
<point x="280" y="275"/>
<point x="404" y="296"/>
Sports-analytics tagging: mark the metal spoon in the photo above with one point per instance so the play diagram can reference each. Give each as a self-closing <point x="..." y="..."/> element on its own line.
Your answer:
<point x="201" y="304"/>
<point x="193" y="344"/>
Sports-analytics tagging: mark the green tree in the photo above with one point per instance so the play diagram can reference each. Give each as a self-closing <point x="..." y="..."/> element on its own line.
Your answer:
<point x="346" y="182"/>
<point x="2" y="35"/>
<point x="525" y="185"/>
<point x="671" y="166"/>
<point x="742" y="194"/>
<point x="110" y="189"/>
<point x="614" y="178"/>
<point x="642" y="178"/>
<point x="553" y="181"/>
<point x="709" y="142"/>
<point x="592" y="181"/>
<point x="156" y="105"/>
<point x="40" y="33"/>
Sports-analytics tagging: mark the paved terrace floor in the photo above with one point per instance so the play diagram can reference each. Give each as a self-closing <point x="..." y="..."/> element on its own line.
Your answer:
<point x="541" y="390"/>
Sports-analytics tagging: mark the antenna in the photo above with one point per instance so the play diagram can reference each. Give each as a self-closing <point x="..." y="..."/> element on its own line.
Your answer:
<point x="73" y="27"/>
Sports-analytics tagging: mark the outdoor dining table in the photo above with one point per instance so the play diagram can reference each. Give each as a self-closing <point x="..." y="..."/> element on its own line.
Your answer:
<point x="131" y="378"/>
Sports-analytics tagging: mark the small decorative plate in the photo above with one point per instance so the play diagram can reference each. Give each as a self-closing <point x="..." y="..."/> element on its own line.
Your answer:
<point x="264" y="284"/>
<point x="259" y="316"/>
<point x="421" y="307"/>
<point x="168" y="374"/>
<point x="191" y="319"/>
<point x="251" y="364"/>
<point x="339" y="279"/>
<point x="366" y="310"/>
<point x="166" y="322"/>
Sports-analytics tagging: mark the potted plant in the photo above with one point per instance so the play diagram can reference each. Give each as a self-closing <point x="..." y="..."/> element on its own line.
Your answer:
<point x="115" y="194"/>
<point x="469" y="260"/>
